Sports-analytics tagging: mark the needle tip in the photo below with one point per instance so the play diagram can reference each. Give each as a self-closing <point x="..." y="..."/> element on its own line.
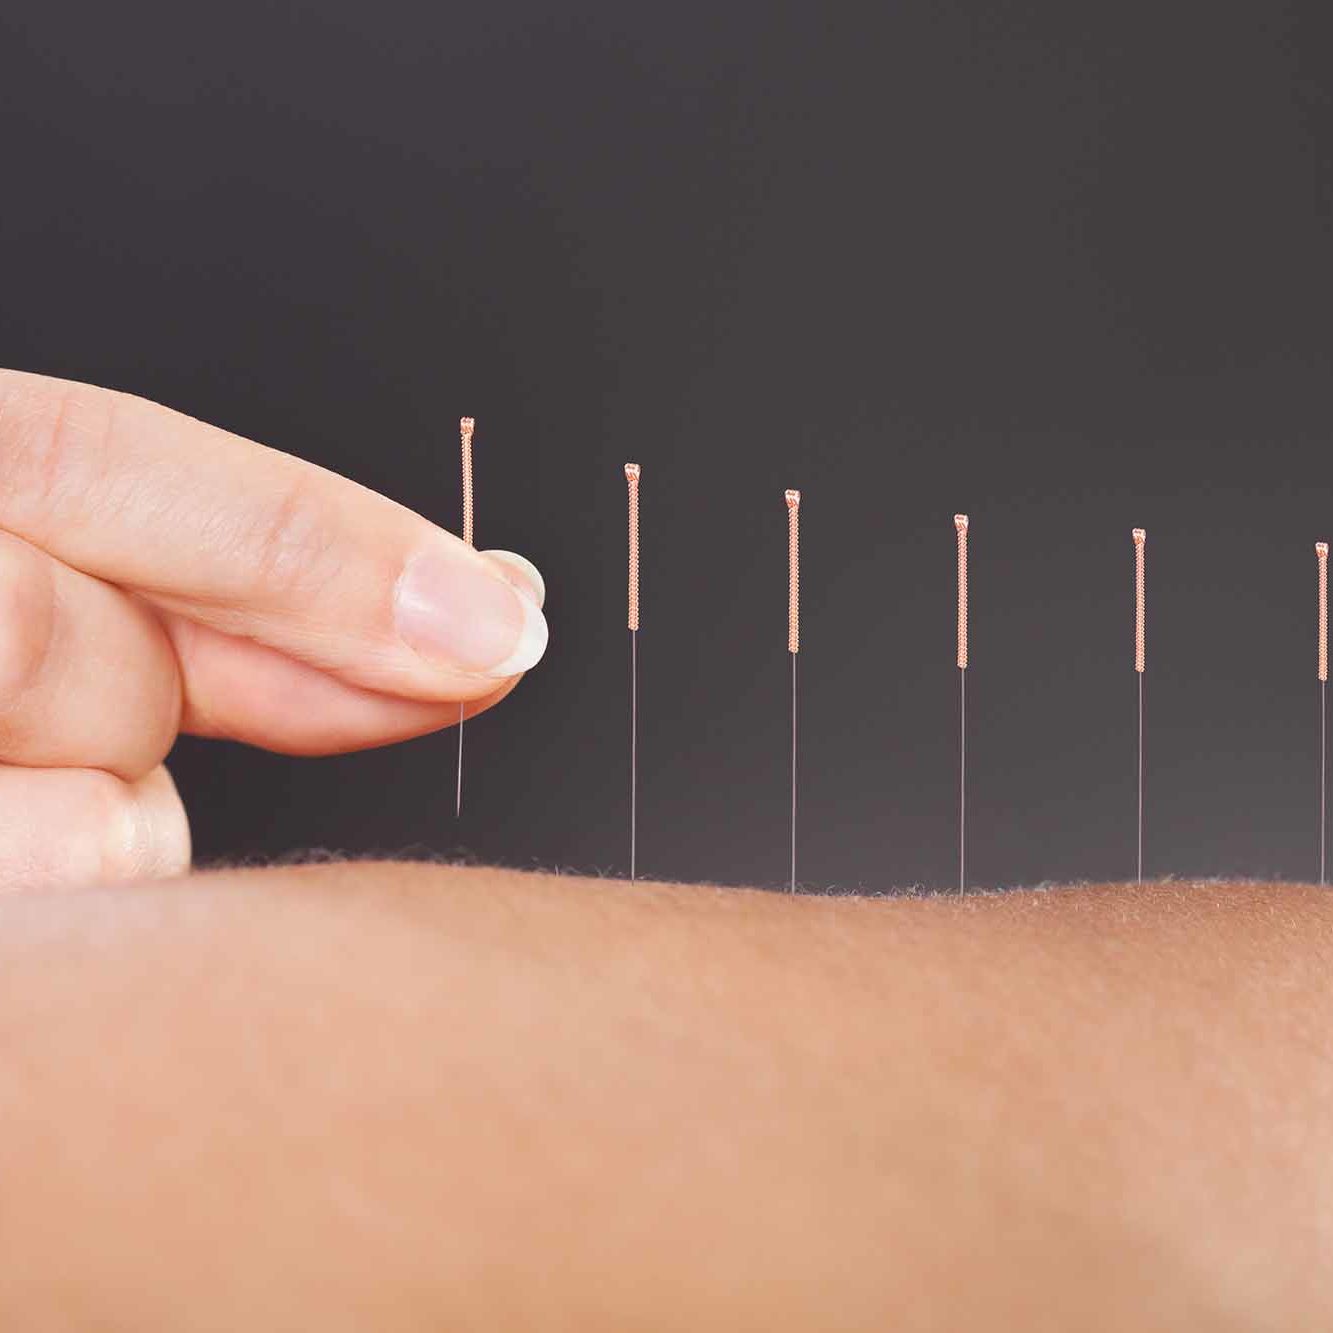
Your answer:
<point x="466" y="425"/>
<point x="632" y="471"/>
<point x="960" y="522"/>
<point x="793" y="499"/>
<point x="1140" y="536"/>
<point x="1321" y="550"/>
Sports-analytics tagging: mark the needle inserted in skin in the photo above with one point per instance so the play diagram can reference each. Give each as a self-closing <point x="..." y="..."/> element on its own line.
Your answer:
<point x="793" y="644"/>
<point x="466" y="425"/>
<point x="1321" y="554"/>
<point x="960" y="523"/>
<point x="1140" y="656"/>
<point x="632" y="480"/>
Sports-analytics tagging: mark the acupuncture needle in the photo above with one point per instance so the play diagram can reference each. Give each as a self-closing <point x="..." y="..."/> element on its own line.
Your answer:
<point x="1140" y="541"/>
<point x="466" y="425"/>
<point x="960" y="523"/>
<point x="632" y="471"/>
<point x="793" y="644"/>
<point x="1321" y="554"/>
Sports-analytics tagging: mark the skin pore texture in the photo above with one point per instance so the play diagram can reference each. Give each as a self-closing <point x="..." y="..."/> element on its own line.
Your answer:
<point x="418" y="1097"/>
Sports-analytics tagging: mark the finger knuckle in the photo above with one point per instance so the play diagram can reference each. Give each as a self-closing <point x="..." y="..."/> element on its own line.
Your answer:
<point x="293" y="545"/>
<point x="53" y="449"/>
<point x="27" y="613"/>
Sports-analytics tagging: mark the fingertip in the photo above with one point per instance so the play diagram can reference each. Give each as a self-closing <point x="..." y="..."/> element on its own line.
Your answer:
<point x="531" y="645"/>
<point x="464" y="614"/>
<point x="169" y="846"/>
<point x="522" y="573"/>
<point x="147" y="830"/>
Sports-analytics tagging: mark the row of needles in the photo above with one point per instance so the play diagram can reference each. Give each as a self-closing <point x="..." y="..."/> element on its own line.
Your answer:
<point x="961" y="522"/>
<point x="1139" y="536"/>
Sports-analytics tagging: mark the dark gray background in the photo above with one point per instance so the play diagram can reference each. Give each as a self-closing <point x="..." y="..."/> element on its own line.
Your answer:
<point x="1065" y="267"/>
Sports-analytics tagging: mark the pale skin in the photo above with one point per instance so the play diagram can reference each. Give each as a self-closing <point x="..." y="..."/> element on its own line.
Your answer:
<point x="417" y="1097"/>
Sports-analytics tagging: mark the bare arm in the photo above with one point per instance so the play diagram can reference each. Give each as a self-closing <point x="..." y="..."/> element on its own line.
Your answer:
<point x="403" y="1097"/>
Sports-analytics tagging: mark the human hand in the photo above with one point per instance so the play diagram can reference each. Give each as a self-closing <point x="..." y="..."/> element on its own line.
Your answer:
<point x="160" y="576"/>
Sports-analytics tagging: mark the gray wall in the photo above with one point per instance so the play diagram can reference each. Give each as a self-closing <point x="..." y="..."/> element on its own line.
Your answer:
<point x="1062" y="267"/>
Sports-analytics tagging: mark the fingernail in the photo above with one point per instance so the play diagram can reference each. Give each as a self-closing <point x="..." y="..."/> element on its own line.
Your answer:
<point x="522" y="573"/>
<point x="455" y="612"/>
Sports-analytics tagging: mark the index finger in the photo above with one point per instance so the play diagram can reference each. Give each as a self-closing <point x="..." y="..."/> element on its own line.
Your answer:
<point x="256" y="543"/>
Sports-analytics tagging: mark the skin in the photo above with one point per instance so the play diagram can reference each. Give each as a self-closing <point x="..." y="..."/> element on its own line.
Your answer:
<point x="407" y="1097"/>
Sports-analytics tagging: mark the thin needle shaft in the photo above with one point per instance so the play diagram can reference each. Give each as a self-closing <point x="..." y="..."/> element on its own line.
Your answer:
<point x="962" y="780"/>
<point x="632" y="473"/>
<point x="960" y="523"/>
<point x="793" y="644"/>
<point x="466" y="425"/>
<point x="792" y="883"/>
<point x="1140" y="660"/>
<point x="458" y="793"/>
<point x="1321" y="554"/>
<point x="1139" y="862"/>
<point x="633" y="754"/>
